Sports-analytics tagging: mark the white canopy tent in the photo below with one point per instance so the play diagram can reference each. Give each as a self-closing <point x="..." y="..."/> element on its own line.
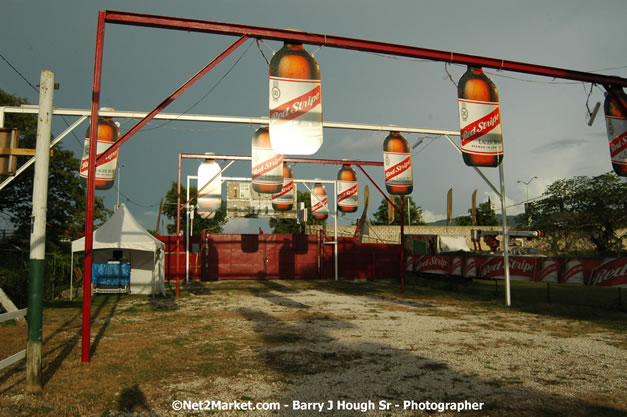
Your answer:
<point x="122" y="237"/>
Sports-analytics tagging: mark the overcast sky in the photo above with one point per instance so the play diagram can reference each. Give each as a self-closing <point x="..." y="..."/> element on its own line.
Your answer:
<point x="543" y="120"/>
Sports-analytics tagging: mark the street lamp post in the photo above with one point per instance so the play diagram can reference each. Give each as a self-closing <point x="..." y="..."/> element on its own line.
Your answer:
<point x="117" y="206"/>
<point x="527" y="199"/>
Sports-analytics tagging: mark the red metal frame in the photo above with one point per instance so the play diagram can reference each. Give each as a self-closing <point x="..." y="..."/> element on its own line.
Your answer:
<point x="194" y="25"/>
<point x="91" y="184"/>
<point x="245" y="32"/>
<point x="180" y="206"/>
<point x="249" y="158"/>
<point x="400" y="213"/>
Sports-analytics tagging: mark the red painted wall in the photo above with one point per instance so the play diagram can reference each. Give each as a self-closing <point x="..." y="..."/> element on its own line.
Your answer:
<point x="267" y="256"/>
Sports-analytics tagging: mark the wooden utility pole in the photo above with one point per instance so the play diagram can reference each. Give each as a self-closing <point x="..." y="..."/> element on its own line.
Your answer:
<point x="37" y="266"/>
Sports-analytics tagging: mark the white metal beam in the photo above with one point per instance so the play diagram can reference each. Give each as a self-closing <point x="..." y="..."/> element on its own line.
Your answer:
<point x="33" y="109"/>
<point x="34" y="158"/>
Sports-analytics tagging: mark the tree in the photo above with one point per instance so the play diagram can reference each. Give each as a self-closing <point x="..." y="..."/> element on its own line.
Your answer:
<point x="289" y="226"/>
<point x="415" y="211"/>
<point x="486" y="216"/>
<point x="588" y="208"/>
<point x="169" y="210"/>
<point x="65" y="217"/>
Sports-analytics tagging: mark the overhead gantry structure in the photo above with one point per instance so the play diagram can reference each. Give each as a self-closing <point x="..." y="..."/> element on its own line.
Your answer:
<point x="245" y="32"/>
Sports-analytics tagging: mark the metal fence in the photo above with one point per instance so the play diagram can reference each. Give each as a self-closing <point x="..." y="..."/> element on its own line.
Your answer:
<point x="19" y="355"/>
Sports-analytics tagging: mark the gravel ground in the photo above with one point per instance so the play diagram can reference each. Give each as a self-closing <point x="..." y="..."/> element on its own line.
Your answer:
<point x="367" y="349"/>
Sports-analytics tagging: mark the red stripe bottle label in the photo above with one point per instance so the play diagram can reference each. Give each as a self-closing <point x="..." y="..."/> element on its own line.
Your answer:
<point x="617" y="135"/>
<point x="320" y="206"/>
<point x="267" y="167"/>
<point x="480" y="125"/>
<point x="347" y="197"/>
<point x="397" y="168"/>
<point x="295" y="116"/>
<point x="286" y="195"/>
<point x="105" y="170"/>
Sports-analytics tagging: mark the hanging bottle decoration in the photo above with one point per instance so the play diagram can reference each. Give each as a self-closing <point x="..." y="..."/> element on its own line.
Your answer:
<point x="284" y="199"/>
<point x="210" y="196"/>
<point x="295" y="101"/>
<point x="207" y="214"/>
<point x="399" y="179"/>
<point x="347" y="189"/>
<point x="479" y="119"/>
<point x="319" y="202"/>
<point x="616" y="123"/>
<point x="267" y="165"/>
<point x="108" y="133"/>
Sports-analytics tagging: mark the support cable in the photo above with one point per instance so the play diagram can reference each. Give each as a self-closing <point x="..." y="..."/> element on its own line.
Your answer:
<point x="207" y="93"/>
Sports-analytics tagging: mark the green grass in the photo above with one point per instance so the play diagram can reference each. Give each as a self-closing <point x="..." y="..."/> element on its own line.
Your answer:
<point x="595" y="304"/>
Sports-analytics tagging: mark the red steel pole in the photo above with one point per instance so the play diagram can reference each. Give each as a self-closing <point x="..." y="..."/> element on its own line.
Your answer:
<point x="381" y="191"/>
<point x="330" y="41"/>
<point x="172" y="97"/>
<point x="400" y="212"/>
<point x="402" y="245"/>
<point x="178" y="226"/>
<point x="91" y="186"/>
<point x="286" y="159"/>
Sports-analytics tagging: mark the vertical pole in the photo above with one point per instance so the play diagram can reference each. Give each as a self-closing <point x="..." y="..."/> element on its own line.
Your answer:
<point x="117" y="204"/>
<point x="91" y="186"/>
<point x="320" y="246"/>
<point x="178" y="226"/>
<point x="335" y="226"/>
<point x="402" y="245"/>
<point x="191" y="233"/>
<point x="37" y="264"/>
<point x="187" y="236"/>
<point x="508" y="300"/>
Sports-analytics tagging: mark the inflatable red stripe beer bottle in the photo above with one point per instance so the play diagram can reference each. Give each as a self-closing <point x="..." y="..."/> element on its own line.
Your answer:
<point x="108" y="133"/>
<point x="479" y="119"/>
<point x="295" y="101"/>
<point x="616" y="123"/>
<point x="399" y="179"/>
<point x="347" y="189"/>
<point x="284" y="199"/>
<point x="319" y="202"/>
<point x="207" y="214"/>
<point x="209" y="187"/>
<point x="267" y="165"/>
